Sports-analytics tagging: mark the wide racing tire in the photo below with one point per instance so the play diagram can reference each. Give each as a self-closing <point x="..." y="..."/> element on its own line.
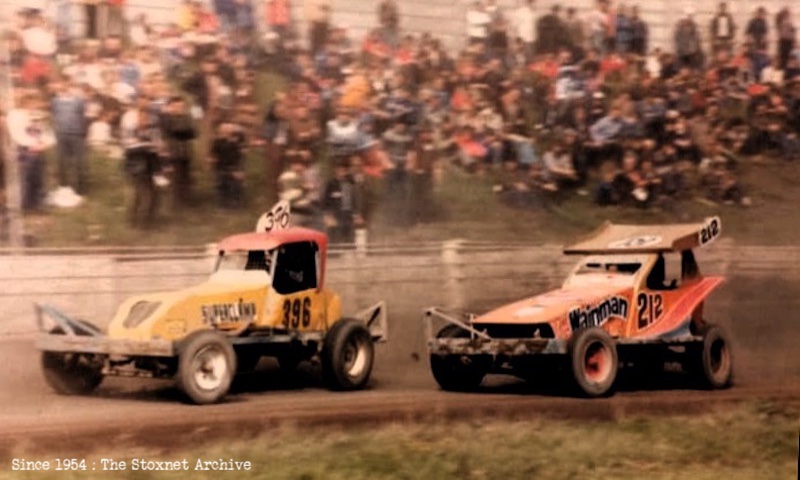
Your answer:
<point x="206" y="367"/>
<point x="458" y="373"/>
<point x="594" y="361"/>
<point x="71" y="373"/>
<point x="347" y="355"/>
<point x="711" y="364"/>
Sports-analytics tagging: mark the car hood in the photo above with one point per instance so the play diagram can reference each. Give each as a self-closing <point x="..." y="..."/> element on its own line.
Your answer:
<point x="230" y="297"/>
<point x="552" y="305"/>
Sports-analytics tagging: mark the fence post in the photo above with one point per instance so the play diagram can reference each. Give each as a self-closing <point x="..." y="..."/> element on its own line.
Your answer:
<point x="452" y="262"/>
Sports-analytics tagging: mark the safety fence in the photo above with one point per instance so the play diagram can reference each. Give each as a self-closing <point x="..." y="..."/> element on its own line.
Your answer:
<point x="90" y="283"/>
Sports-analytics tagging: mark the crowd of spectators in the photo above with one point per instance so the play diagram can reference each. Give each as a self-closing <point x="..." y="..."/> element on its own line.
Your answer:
<point x="543" y="103"/>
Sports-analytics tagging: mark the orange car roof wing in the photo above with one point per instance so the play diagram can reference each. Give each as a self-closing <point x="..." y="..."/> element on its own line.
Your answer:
<point x="611" y="238"/>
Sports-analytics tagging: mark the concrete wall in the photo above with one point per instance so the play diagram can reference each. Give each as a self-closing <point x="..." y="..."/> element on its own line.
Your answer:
<point x="447" y="18"/>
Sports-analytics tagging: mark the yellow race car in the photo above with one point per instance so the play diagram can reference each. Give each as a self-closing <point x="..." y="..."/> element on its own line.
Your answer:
<point x="266" y="297"/>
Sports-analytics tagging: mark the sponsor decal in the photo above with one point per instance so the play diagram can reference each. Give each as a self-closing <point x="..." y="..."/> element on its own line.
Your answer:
<point x="596" y="315"/>
<point x="217" y="313"/>
<point x="710" y="230"/>
<point x="640" y="241"/>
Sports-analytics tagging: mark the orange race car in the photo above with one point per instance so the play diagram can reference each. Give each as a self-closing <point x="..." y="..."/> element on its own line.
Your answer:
<point x="635" y="299"/>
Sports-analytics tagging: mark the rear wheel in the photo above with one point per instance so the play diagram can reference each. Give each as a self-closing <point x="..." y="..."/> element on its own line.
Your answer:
<point x="594" y="361"/>
<point x="206" y="367"/>
<point x="347" y="355"/>
<point x="459" y="373"/>
<point x="712" y="363"/>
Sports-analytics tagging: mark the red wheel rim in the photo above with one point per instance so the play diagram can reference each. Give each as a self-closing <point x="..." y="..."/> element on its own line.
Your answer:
<point x="597" y="362"/>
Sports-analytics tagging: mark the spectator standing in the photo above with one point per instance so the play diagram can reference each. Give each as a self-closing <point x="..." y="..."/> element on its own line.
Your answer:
<point x="279" y="17"/>
<point x="92" y="12"/>
<point x="422" y="169"/>
<point x="687" y="42"/>
<point x="228" y="157"/>
<point x="524" y="20"/>
<point x="624" y="31"/>
<point x="341" y="206"/>
<point x="576" y="34"/>
<point x="786" y="36"/>
<point x="178" y="132"/>
<point x="32" y="138"/>
<point x="68" y="110"/>
<point x="140" y="139"/>
<point x="641" y="33"/>
<point x="399" y="145"/>
<point x="478" y="20"/>
<point x="389" y="20"/>
<point x="551" y="32"/>
<point x="318" y="16"/>
<point x="599" y="26"/>
<point x="723" y="29"/>
<point x="116" y="24"/>
<point x="757" y="29"/>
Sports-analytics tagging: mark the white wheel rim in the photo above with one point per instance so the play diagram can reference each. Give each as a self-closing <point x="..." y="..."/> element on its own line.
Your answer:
<point x="355" y="358"/>
<point x="210" y="368"/>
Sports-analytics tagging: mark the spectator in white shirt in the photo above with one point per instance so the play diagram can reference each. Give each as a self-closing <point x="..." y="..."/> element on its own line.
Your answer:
<point x="524" y="20"/>
<point x="32" y="138"/>
<point x="478" y="20"/>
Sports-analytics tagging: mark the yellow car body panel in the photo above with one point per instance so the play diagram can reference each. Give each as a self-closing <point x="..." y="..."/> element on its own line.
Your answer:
<point x="227" y="305"/>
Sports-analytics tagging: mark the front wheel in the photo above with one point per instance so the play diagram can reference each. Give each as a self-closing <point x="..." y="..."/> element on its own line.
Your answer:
<point x="594" y="361"/>
<point x="72" y="373"/>
<point x="347" y="355"/>
<point x="458" y="373"/>
<point x="206" y="366"/>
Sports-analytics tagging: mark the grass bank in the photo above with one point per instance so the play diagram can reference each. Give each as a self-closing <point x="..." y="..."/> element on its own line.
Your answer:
<point x="743" y="442"/>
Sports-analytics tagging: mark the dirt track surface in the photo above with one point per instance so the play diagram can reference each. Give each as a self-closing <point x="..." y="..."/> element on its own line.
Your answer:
<point x="761" y="314"/>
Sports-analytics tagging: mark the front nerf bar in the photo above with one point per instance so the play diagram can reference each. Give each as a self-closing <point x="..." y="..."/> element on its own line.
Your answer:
<point x="80" y="337"/>
<point x="479" y="342"/>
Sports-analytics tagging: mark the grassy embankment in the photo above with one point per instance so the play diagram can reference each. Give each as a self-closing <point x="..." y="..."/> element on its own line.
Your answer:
<point x="744" y="442"/>
<point x="468" y="209"/>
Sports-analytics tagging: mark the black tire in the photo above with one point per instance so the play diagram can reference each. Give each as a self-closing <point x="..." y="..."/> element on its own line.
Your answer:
<point x="347" y="355"/>
<point x="712" y="363"/>
<point x="71" y="373"/>
<point x="594" y="361"/>
<point x="458" y="373"/>
<point x="206" y="366"/>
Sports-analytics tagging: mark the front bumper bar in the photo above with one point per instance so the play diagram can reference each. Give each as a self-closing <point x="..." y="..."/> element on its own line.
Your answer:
<point x="479" y="342"/>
